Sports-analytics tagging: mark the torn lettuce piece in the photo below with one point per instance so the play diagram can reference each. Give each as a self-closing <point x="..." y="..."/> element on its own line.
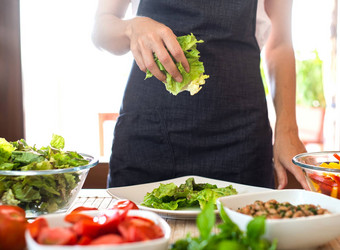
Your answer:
<point x="193" y="80"/>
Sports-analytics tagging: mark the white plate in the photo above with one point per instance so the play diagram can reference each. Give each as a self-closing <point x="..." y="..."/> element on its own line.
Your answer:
<point x="57" y="220"/>
<point x="295" y="233"/>
<point x="136" y="194"/>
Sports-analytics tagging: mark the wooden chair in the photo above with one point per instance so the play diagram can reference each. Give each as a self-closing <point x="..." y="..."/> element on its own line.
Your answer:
<point x="102" y="117"/>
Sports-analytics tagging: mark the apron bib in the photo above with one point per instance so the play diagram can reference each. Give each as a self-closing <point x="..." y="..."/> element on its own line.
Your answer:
<point x="223" y="131"/>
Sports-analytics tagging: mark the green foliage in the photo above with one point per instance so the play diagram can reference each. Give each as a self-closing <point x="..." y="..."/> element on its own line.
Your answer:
<point x="309" y="81"/>
<point x="229" y="236"/>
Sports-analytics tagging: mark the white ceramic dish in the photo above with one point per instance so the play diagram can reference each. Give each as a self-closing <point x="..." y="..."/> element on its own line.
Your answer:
<point x="57" y="220"/>
<point x="295" y="233"/>
<point x="136" y="194"/>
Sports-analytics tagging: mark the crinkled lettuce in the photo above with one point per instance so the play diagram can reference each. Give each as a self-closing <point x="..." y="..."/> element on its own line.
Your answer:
<point x="193" y="80"/>
<point x="190" y="194"/>
<point x="41" y="193"/>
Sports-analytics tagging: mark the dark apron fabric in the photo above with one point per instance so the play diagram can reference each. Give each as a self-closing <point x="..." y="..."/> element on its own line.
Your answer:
<point x="223" y="131"/>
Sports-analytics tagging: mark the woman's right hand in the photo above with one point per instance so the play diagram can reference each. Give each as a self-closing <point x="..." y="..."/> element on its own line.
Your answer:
<point x="147" y="37"/>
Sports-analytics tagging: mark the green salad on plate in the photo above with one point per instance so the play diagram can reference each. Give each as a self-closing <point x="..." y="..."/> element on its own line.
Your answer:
<point x="189" y="194"/>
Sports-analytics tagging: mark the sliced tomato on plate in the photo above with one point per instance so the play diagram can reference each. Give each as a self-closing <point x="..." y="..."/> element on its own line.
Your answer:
<point x="124" y="204"/>
<point x="57" y="236"/>
<point x="139" y="229"/>
<point x="74" y="217"/>
<point x="81" y="208"/>
<point x="36" y="226"/>
<point x="108" y="239"/>
<point x="84" y="240"/>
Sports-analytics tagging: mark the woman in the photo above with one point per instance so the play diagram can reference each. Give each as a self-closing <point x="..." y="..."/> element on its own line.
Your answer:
<point x="223" y="131"/>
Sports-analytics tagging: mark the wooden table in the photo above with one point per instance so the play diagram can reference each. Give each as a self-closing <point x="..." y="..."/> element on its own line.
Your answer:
<point x="99" y="198"/>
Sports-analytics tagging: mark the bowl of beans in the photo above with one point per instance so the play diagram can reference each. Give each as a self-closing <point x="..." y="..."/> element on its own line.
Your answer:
<point x="322" y="171"/>
<point x="296" y="218"/>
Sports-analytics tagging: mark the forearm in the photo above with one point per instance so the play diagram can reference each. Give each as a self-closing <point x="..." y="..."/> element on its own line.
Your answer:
<point x="110" y="31"/>
<point x="280" y="63"/>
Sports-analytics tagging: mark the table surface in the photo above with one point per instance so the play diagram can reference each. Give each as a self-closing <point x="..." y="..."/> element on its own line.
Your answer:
<point x="99" y="198"/>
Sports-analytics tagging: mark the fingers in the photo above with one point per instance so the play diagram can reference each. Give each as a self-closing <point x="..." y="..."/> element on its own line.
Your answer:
<point x="281" y="176"/>
<point x="298" y="174"/>
<point x="168" y="63"/>
<point x="149" y="38"/>
<point x="176" y="51"/>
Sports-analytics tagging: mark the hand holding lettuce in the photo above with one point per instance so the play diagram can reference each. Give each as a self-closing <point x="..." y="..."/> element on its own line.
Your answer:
<point x="193" y="80"/>
<point x="190" y="194"/>
<point x="44" y="193"/>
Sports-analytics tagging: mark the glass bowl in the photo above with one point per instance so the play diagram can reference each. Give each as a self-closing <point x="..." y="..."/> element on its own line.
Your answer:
<point x="322" y="171"/>
<point x="41" y="192"/>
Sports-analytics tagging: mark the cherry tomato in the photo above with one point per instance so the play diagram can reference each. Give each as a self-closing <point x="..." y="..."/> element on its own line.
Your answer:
<point x="124" y="204"/>
<point x="108" y="239"/>
<point x="12" y="227"/>
<point x="57" y="236"/>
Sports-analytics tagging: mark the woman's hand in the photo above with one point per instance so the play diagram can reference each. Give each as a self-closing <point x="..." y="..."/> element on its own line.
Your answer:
<point x="142" y="35"/>
<point x="148" y="37"/>
<point x="287" y="145"/>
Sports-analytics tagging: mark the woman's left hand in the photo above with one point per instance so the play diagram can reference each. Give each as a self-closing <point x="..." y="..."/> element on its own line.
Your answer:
<point x="288" y="144"/>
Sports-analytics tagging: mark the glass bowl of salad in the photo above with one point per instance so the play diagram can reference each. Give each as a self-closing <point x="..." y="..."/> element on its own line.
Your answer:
<point x="41" y="180"/>
<point x="322" y="171"/>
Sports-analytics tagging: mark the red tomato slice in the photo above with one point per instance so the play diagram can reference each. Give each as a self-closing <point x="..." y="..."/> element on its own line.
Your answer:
<point x="109" y="223"/>
<point x="57" y="236"/>
<point x="80" y="209"/>
<point x="139" y="229"/>
<point x="99" y="225"/>
<point x="84" y="240"/>
<point x="124" y="204"/>
<point x="36" y="226"/>
<point x="108" y="239"/>
<point x="86" y="228"/>
<point x="74" y="217"/>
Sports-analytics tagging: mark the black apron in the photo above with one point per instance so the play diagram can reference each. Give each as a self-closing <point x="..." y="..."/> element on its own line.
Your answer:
<point x="223" y="131"/>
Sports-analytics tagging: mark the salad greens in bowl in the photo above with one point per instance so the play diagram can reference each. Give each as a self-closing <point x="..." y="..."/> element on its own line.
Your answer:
<point x="41" y="180"/>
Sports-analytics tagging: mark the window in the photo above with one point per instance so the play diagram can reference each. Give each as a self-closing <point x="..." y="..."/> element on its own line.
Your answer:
<point x="67" y="80"/>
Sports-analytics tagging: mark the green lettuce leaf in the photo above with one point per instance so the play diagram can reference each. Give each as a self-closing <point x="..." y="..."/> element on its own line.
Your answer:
<point x="57" y="141"/>
<point x="6" y="150"/>
<point x="193" y="80"/>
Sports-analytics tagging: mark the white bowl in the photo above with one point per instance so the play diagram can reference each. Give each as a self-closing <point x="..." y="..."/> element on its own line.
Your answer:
<point x="57" y="220"/>
<point x="294" y="233"/>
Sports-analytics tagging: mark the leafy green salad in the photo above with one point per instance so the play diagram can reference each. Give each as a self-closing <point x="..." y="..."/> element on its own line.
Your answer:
<point x="229" y="235"/>
<point x="192" y="80"/>
<point x="43" y="193"/>
<point x="189" y="194"/>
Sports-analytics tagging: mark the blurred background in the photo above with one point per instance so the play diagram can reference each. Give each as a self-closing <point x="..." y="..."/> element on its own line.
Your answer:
<point x="71" y="88"/>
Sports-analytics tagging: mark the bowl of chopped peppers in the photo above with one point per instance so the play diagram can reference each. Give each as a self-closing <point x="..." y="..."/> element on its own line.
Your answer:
<point x="322" y="171"/>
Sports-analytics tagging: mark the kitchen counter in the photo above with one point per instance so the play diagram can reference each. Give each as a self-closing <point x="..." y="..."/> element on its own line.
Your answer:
<point x="99" y="198"/>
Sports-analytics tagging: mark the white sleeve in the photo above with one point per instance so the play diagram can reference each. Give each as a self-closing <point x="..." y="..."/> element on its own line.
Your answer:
<point x="263" y="24"/>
